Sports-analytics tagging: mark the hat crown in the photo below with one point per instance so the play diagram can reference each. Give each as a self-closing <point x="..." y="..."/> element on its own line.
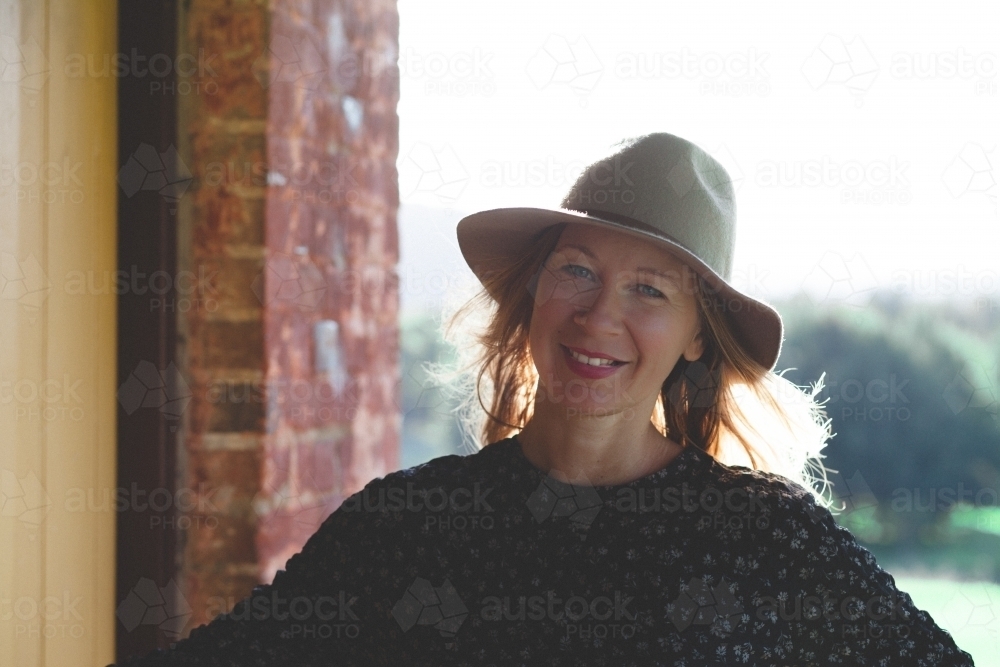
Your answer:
<point x="669" y="185"/>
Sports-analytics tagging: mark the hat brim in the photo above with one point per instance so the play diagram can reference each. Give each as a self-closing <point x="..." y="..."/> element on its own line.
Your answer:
<point x="494" y="238"/>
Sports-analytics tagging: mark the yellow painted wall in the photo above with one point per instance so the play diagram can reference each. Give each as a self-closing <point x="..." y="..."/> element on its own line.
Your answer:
<point x="57" y="348"/>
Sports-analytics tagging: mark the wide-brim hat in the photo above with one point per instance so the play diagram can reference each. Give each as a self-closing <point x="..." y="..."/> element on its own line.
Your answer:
<point x="659" y="188"/>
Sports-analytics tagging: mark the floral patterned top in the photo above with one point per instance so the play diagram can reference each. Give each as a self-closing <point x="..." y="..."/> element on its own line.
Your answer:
<point x="487" y="560"/>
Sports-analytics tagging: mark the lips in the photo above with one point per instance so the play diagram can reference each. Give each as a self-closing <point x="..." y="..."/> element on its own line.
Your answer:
<point x="585" y="367"/>
<point x="592" y="355"/>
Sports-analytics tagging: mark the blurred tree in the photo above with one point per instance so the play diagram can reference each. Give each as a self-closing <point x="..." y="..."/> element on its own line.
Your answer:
<point x="912" y="391"/>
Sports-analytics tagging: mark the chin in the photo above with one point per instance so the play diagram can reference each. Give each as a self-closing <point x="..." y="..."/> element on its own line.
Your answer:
<point x="593" y="409"/>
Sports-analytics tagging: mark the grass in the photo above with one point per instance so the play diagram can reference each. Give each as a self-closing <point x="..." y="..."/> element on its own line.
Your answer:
<point x="969" y="610"/>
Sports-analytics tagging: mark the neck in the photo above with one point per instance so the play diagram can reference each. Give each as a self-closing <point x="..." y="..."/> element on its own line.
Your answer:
<point x="595" y="451"/>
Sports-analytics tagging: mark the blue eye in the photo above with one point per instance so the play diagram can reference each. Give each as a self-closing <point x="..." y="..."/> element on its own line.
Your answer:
<point x="569" y="268"/>
<point x="657" y="293"/>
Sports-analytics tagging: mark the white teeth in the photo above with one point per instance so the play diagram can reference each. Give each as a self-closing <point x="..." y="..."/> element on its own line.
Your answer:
<point x="589" y="361"/>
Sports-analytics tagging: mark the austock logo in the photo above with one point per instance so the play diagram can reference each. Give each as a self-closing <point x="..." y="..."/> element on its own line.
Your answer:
<point x="24" y="282"/>
<point x="416" y="394"/>
<point x="974" y="611"/>
<point x="847" y="495"/>
<point x="49" y="400"/>
<point x="436" y="174"/>
<point x="733" y="174"/>
<point x="150" y="170"/>
<point x="24" y="64"/>
<point x="49" y="182"/>
<point x="298" y="62"/>
<point x="149" y="604"/>
<point x="583" y="618"/>
<point x="701" y="386"/>
<point x="425" y="604"/>
<point x="875" y="399"/>
<point x="556" y="499"/>
<point x="701" y="603"/>
<point x="330" y="395"/>
<point x="971" y="173"/>
<point x="879" y="616"/>
<point x="23" y="498"/>
<point x="872" y="181"/>
<point x="734" y="73"/>
<point x="732" y="510"/>
<point x="975" y="387"/>
<point x="460" y="508"/>
<point x="458" y="73"/>
<point x="292" y="280"/>
<point x="718" y="182"/>
<point x="292" y="490"/>
<point x="45" y="617"/>
<point x="562" y="62"/>
<point x="194" y="506"/>
<point x="148" y="387"/>
<point x="835" y="62"/>
<point x="976" y="67"/>
<point x="310" y="64"/>
<point x="851" y="495"/>
<point x="191" y="70"/>
<point x="836" y="279"/>
<point x="303" y="616"/>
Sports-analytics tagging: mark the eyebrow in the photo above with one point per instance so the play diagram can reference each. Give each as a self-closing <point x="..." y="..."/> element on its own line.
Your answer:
<point x="642" y="269"/>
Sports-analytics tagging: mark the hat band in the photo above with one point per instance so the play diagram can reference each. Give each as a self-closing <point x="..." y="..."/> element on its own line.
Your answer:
<point x="632" y="222"/>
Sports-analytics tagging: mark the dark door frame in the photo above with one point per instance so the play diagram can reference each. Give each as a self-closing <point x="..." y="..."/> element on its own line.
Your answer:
<point x="147" y="242"/>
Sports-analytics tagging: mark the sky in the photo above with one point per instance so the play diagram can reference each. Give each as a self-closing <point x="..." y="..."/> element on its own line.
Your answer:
<point x="861" y="139"/>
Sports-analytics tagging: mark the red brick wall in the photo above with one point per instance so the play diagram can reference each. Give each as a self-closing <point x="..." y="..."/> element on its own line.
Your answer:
<point x="294" y="206"/>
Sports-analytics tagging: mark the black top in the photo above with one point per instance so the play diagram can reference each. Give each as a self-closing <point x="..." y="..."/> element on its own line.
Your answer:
<point x="487" y="560"/>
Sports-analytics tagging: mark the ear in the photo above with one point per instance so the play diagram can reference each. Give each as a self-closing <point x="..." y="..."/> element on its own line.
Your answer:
<point x="695" y="348"/>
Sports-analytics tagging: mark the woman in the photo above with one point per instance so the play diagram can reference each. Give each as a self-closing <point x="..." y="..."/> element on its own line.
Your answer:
<point x="601" y="525"/>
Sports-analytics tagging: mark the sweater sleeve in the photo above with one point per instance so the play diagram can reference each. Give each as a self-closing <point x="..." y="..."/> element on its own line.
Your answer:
<point x="840" y="607"/>
<point x="328" y="606"/>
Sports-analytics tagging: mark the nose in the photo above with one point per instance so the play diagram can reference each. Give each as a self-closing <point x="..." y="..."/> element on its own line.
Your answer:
<point x="602" y="314"/>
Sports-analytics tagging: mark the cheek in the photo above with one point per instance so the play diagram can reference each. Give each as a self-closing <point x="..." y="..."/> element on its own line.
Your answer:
<point x="539" y="334"/>
<point x="549" y="316"/>
<point x="547" y="325"/>
<point x="660" y="339"/>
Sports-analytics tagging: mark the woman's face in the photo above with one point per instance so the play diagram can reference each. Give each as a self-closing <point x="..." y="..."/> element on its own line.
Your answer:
<point x="598" y="292"/>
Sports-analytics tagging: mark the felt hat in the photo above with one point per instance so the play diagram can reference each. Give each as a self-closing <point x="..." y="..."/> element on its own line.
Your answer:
<point x="659" y="188"/>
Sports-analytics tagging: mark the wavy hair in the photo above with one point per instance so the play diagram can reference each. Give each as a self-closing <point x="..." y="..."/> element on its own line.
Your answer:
<point x="725" y="403"/>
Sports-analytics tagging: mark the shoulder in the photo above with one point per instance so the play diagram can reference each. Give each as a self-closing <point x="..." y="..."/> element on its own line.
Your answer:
<point x="444" y="470"/>
<point x="391" y="511"/>
<point x="802" y="526"/>
<point x="436" y="485"/>
<point x="770" y="491"/>
<point x="768" y="484"/>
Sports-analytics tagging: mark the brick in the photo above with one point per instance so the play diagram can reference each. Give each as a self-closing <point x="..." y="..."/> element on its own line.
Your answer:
<point x="239" y="414"/>
<point x="238" y="471"/>
<point x="230" y="442"/>
<point x="293" y="448"/>
<point x="227" y="219"/>
<point x="233" y="344"/>
<point x="236" y="35"/>
<point x="234" y="281"/>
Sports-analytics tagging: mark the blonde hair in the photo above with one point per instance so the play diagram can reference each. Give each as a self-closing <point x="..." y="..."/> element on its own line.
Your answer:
<point x="725" y="403"/>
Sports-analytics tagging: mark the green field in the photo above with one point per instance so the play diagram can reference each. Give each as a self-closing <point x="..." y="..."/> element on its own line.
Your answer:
<point x="969" y="610"/>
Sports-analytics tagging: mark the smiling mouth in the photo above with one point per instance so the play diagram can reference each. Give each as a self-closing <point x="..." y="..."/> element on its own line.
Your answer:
<point x="599" y="363"/>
